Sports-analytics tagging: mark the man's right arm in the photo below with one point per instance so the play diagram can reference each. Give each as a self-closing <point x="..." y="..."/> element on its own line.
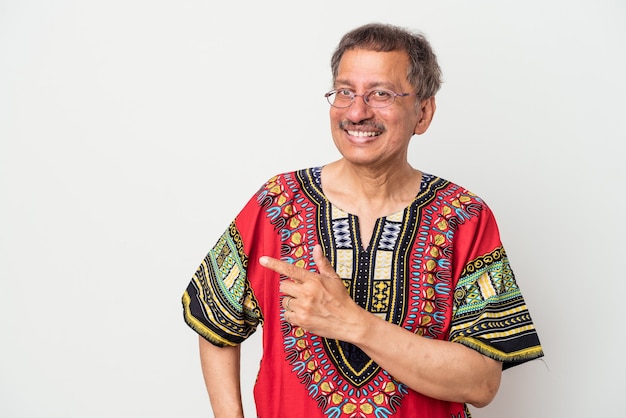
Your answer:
<point x="221" y="371"/>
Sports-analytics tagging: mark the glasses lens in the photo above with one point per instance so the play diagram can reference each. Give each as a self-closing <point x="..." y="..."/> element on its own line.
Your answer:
<point x="380" y="98"/>
<point x="340" y="98"/>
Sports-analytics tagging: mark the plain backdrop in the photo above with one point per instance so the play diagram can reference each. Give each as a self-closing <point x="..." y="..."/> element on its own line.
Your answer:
<point x="132" y="132"/>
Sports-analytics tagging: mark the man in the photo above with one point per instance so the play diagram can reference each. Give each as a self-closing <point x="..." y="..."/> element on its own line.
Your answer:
<point x="383" y="291"/>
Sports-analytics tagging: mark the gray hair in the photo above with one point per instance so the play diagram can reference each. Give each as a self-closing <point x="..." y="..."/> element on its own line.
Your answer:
<point x="424" y="73"/>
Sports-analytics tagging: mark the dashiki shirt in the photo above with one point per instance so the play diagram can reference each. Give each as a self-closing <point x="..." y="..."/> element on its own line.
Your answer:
<point x="436" y="268"/>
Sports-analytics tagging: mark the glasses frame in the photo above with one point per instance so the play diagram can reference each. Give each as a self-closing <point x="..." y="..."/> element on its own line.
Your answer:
<point x="365" y="96"/>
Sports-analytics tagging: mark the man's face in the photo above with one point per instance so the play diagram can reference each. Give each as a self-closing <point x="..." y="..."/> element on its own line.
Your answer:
<point x="375" y="136"/>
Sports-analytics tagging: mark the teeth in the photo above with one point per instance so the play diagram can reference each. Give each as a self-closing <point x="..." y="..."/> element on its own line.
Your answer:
<point x="363" y="134"/>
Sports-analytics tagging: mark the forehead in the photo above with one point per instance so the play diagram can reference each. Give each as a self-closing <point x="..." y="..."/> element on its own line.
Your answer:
<point x="373" y="68"/>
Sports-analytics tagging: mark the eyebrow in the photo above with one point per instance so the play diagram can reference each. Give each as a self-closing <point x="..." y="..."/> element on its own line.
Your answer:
<point x="370" y="86"/>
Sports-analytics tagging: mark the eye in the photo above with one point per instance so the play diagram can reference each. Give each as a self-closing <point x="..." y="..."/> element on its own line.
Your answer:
<point x="380" y="95"/>
<point x="344" y="94"/>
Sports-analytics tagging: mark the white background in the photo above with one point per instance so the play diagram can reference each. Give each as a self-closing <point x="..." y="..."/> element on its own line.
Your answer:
<point x="131" y="132"/>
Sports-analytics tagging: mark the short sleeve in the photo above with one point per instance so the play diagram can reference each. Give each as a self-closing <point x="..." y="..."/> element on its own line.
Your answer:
<point x="490" y="314"/>
<point x="218" y="303"/>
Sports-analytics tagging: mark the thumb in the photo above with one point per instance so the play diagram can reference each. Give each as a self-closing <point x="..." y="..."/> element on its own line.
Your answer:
<point x="323" y="265"/>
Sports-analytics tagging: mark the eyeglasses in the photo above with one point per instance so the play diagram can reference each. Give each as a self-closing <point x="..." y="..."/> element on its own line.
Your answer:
<point x="343" y="98"/>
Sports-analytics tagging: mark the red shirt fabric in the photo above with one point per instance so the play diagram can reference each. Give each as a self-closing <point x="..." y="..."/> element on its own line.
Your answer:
<point x="436" y="268"/>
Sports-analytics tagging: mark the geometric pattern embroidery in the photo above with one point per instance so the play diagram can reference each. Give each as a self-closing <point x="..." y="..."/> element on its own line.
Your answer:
<point x="489" y="307"/>
<point x="389" y="236"/>
<point x="341" y="231"/>
<point x="380" y="296"/>
<point x="220" y="290"/>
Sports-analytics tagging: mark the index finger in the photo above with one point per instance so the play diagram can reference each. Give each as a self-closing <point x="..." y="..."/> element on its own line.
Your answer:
<point x="284" y="268"/>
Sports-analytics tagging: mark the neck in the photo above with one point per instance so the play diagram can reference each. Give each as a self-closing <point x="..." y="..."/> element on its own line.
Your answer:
<point x="381" y="190"/>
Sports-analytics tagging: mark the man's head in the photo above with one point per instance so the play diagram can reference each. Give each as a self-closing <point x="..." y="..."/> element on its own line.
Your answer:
<point x="384" y="84"/>
<point x="423" y="74"/>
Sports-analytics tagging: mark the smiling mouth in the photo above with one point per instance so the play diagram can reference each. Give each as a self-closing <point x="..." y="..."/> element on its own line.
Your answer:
<point x="363" y="134"/>
<point x="364" y="130"/>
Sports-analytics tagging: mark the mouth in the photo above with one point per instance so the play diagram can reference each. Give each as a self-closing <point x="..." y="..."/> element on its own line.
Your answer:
<point x="365" y="130"/>
<point x="363" y="134"/>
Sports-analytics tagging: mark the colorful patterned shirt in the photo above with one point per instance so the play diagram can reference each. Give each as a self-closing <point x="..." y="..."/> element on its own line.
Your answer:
<point x="436" y="268"/>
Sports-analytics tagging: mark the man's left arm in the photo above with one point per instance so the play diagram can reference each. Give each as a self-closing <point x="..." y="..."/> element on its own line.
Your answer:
<point x="319" y="303"/>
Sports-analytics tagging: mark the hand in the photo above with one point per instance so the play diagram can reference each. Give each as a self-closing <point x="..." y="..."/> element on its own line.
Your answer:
<point x="316" y="301"/>
<point x="319" y="303"/>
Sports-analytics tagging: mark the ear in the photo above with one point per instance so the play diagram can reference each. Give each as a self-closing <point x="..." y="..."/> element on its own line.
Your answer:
<point x="427" y="111"/>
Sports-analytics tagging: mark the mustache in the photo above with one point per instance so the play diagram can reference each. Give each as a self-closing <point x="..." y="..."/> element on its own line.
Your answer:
<point x="347" y="125"/>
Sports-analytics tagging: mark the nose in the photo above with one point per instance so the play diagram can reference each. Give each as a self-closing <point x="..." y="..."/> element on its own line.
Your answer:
<point x="359" y="110"/>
